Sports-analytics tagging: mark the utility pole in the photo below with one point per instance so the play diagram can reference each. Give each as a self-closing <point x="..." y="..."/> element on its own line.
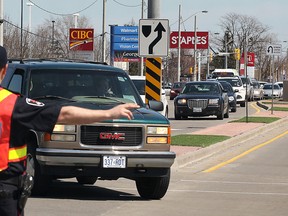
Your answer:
<point x="141" y="58"/>
<point x="103" y="31"/>
<point x="179" y="46"/>
<point x="1" y="22"/>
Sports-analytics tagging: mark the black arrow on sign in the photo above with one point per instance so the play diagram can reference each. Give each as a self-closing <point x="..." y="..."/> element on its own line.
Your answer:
<point x="160" y="29"/>
<point x="270" y="49"/>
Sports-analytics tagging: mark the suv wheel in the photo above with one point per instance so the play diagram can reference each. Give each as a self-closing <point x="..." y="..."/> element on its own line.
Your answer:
<point x="41" y="182"/>
<point x="153" y="187"/>
<point x="242" y="104"/>
<point x="86" y="179"/>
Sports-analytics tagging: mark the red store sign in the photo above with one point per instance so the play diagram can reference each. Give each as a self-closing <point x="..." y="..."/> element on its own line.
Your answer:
<point x="187" y="40"/>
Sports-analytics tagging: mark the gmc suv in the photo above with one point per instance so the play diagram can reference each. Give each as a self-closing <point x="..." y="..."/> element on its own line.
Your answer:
<point x="137" y="149"/>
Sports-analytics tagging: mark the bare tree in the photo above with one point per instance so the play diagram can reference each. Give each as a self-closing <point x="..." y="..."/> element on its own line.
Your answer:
<point x="246" y="31"/>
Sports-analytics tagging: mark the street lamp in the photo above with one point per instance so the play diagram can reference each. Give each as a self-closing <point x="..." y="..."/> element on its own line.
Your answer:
<point x="29" y="4"/>
<point x="195" y="45"/>
<point x="76" y="15"/>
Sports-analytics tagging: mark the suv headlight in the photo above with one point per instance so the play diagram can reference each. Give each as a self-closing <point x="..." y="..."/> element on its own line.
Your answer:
<point x="182" y="101"/>
<point x="158" y="135"/>
<point x="213" y="101"/>
<point x="60" y="133"/>
<point x="64" y="128"/>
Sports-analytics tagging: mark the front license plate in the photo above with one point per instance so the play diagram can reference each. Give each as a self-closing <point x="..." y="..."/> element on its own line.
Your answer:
<point x="114" y="162"/>
<point x="197" y="109"/>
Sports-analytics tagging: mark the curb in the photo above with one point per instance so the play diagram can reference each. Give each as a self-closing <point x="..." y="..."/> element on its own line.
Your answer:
<point x="262" y="105"/>
<point x="200" y="154"/>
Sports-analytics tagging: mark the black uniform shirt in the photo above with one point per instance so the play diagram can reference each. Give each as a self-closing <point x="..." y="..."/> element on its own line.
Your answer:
<point x="29" y="114"/>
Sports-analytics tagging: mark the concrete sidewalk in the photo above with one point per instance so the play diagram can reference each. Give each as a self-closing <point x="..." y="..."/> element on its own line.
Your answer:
<point x="237" y="131"/>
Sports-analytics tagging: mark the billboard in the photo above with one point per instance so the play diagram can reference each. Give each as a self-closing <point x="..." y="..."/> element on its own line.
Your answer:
<point x="81" y="39"/>
<point x="187" y="40"/>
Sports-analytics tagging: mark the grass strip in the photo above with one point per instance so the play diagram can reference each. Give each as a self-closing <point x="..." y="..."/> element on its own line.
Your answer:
<point x="197" y="140"/>
<point x="280" y="108"/>
<point x="257" y="119"/>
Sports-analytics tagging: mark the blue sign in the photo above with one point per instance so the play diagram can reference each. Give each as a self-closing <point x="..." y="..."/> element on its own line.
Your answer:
<point x="124" y="39"/>
<point x="124" y="30"/>
<point x="125" y="46"/>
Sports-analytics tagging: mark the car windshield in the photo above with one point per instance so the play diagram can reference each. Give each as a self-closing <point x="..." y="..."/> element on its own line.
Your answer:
<point x="269" y="86"/>
<point x="178" y="85"/>
<point x="233" y="82"/>
<point x="82" y="85"/>
<point x="208" y="88"/>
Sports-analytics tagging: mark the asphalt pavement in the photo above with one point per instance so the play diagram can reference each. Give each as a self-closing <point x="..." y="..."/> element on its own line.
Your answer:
<point x="239" y="133"/>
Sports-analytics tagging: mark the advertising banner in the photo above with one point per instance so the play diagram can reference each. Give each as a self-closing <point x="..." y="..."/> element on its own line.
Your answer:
<point x="187" y="40"/>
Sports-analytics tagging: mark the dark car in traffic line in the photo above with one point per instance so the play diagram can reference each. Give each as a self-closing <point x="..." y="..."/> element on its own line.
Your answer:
<point x="176" y="89"/>
<point x="231" y="95"/>
<point x="202" y="98"/>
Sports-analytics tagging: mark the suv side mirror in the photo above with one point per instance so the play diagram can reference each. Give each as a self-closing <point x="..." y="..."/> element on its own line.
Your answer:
<point x="155" y="105"/>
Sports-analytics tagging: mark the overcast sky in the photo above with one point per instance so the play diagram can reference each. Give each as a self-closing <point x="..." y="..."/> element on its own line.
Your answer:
<point x="272" y="13"/>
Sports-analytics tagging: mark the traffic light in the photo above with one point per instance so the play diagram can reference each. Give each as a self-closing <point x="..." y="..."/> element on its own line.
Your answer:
<point x="237" y="53"/>
<point x="191" y="70"/>
<point x="211" y="56"/>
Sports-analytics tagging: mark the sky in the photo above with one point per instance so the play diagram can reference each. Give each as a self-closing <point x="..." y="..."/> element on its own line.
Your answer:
<point x="271" y="13"/>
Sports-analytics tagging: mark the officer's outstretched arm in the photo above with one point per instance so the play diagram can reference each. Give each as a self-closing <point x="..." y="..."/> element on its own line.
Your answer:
<point x="77" y="115"/>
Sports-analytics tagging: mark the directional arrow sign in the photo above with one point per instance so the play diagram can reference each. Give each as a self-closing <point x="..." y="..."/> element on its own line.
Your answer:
<point x="153" y="37"/>
<point x="274" y="49"/>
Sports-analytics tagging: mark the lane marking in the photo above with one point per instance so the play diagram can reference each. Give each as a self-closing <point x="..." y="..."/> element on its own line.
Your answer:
<point x="236" y="182"/>
<point x="255" y="107"/>
<point x="244" y="153"/>
<point x="231" y="192"/>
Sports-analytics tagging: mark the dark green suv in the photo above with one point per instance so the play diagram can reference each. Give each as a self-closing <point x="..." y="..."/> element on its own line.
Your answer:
<point x="137" y="149"/>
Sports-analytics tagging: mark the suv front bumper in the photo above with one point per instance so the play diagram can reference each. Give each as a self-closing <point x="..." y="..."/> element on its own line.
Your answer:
<point x="90" y="162"/>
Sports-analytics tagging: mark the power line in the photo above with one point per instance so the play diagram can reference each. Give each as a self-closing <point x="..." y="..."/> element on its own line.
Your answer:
<point x="60" y="14"/>
<point x="125" y="5"/>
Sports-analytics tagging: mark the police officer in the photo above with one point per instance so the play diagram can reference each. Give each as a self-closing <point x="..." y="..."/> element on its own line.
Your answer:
<point x="18" y="114"/>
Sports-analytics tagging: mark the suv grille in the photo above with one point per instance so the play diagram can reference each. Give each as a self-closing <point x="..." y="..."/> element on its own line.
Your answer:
<point x="197" y="103"/>
<point x="90" y="135"/>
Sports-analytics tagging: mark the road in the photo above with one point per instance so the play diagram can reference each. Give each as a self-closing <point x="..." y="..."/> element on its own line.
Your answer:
<point x="193" y="124"/>
<point x="254" y="184"/>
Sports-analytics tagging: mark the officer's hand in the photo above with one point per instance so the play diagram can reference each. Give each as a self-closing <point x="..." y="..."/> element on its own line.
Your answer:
<point x="123" y="110"/>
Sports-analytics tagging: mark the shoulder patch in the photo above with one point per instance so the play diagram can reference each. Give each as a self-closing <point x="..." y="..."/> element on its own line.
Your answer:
<point x="34" y="102"/>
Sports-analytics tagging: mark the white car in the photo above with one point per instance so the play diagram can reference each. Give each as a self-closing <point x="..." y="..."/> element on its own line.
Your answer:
<point x="277" y="91"/>
<point x="139" y="82"/>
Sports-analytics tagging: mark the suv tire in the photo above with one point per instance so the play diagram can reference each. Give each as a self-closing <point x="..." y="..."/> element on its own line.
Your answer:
<point x="41" y="182"/>
<point x="153" y="187"/>
<point x="86" y="179"/>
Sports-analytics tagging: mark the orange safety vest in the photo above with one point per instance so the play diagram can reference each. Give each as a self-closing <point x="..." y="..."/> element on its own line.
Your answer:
<point x="8" y="152"/>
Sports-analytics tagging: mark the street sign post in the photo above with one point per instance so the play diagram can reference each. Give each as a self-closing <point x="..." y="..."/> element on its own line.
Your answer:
<point x="154" y="37"/>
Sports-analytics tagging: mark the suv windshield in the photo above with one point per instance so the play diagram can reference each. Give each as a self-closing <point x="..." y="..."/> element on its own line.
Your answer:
<point x="83" y="85"/>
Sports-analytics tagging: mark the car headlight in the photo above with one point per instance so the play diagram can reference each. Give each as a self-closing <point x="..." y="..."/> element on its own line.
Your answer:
<point x="158" y="130"/>
<point x="158" y="135"/>
<point x="231" y="98"/>
<point x="64" y="128"/>
<point x="182" y="101"/>
<point x="213" y="101"/>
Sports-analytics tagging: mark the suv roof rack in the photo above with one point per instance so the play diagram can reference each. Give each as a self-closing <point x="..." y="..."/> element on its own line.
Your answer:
<point x="23" y="61"/>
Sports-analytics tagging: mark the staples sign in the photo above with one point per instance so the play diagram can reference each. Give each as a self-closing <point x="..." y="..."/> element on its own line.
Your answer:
<point x="81" y="39"/>
<point x="187" y="40"/>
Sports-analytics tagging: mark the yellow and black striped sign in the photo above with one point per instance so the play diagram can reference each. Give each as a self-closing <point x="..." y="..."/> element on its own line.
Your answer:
<point x="153" y="79"/>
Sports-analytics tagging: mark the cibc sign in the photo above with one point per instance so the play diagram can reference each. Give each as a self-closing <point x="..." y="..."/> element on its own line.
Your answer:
<point x="187" y="40"/>
<point x="81" y="39"/>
